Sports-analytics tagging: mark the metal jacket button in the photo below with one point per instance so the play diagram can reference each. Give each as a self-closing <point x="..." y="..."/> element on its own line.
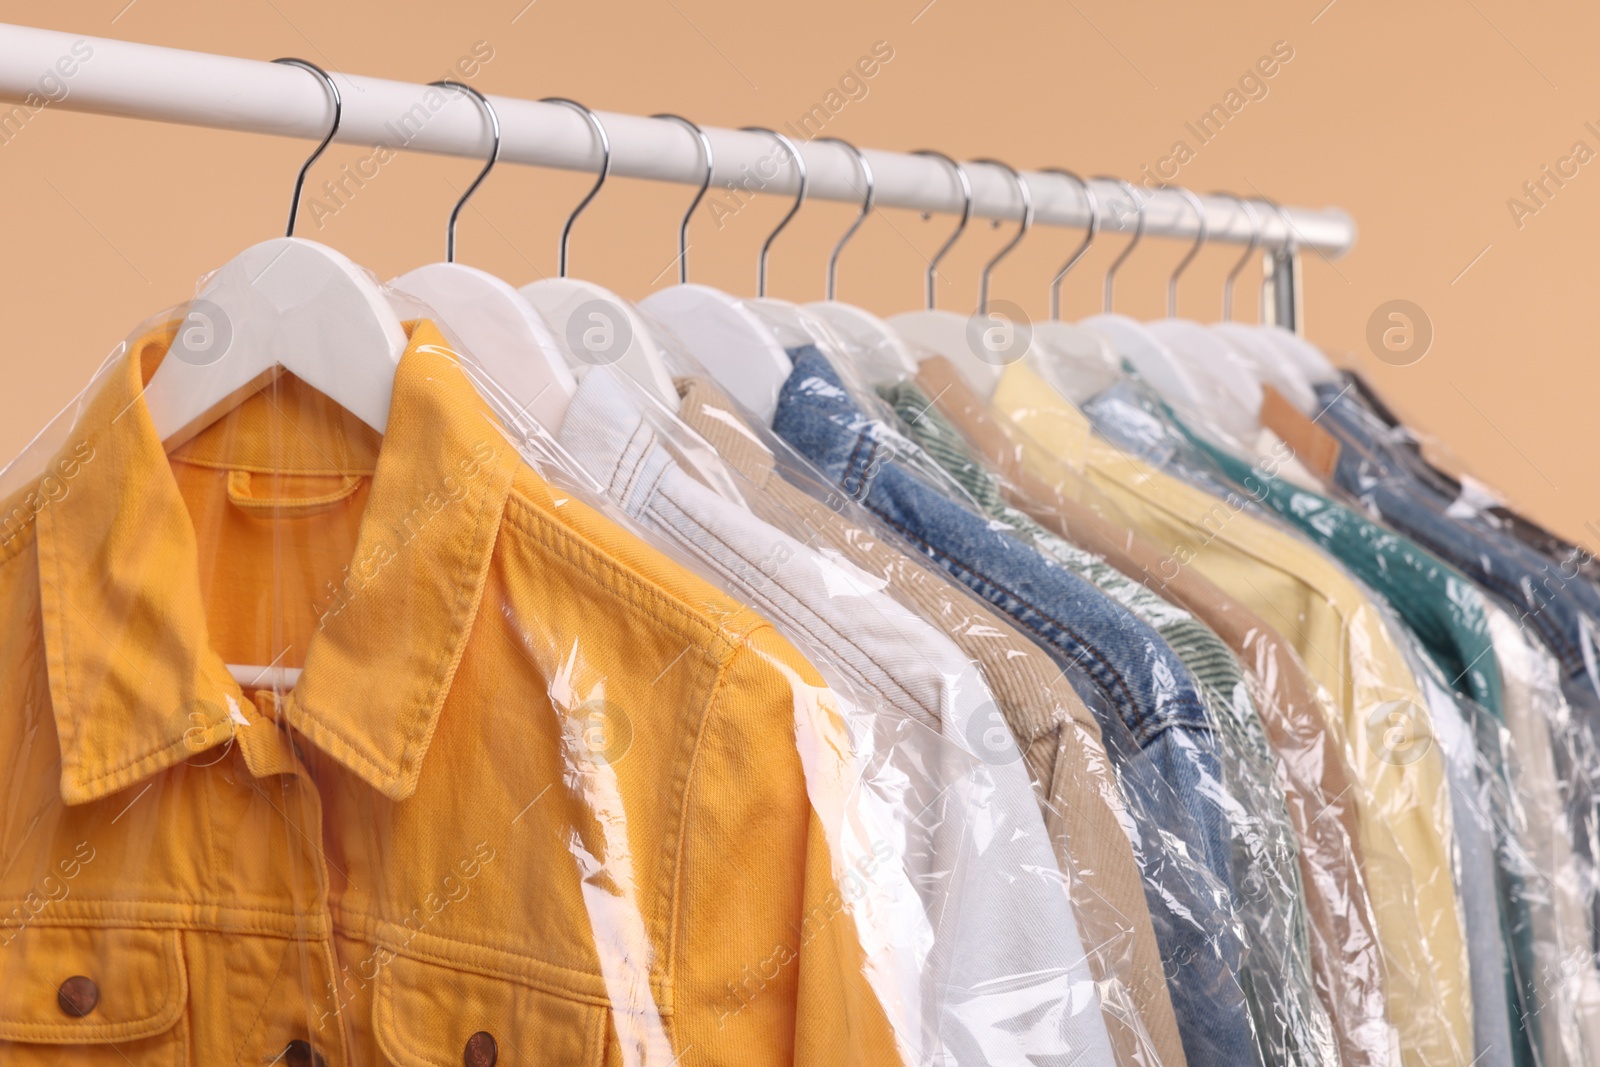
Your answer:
<point x="298" y="1053"/>
<point x="481" y="1050"/>
<point x="78" y="996"/>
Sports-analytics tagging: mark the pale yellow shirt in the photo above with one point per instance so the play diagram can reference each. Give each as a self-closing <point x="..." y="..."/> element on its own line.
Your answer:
<point x="1342" y="636"/>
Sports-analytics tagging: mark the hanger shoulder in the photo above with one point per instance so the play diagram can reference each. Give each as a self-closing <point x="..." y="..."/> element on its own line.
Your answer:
<point x="738" y="349"/>
<point x="1232" y="388"/>
<point x="286" y="303"/>
<point x="882" y="353"/>
<point x="501" y="333"/>
<point x="595" y="327"/>
<point x="1150" y="356"/>
<point x="1079" y="361"/>
<point x="1270" y="365"/>
<point x="952" y="336"/>
<point x="1308" y="357"/>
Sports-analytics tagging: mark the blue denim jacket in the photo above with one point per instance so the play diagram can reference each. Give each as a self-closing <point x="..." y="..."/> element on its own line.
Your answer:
<point x="1554" y="603"/>
<point x="1160" y="736"/>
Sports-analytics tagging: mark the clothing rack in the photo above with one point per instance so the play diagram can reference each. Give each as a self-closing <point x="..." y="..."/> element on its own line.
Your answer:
<point x="224" y="92"/>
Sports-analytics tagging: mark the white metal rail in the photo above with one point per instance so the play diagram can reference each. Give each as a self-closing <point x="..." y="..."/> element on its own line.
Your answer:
<point x="112" y="77"/>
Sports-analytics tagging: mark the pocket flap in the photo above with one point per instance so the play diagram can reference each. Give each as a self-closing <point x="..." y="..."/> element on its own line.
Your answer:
<point x="424" y="1014"/>
<point x="139" y="984"/>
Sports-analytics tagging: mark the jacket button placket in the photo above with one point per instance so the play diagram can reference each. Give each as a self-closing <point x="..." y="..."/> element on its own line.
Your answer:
<point x="325" y="1012"/>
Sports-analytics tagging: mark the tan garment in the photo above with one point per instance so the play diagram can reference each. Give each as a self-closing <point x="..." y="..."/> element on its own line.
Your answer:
<point x="1317" y="782"/>
<point x="1058" y="735"/>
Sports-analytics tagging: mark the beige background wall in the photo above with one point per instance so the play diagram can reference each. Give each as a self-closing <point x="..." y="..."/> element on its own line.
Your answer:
<point x="1421" y="119"/>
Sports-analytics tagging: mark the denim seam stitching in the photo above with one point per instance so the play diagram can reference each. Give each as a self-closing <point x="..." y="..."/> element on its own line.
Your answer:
<point x="1147" y="731"/>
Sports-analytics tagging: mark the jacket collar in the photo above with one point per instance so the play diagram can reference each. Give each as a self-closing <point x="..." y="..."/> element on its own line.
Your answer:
<point x="134" y="683"/>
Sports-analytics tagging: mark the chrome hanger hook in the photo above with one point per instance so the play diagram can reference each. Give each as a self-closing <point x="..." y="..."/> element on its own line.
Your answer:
<point x="705" y="183"/>
<point x="1282" y="258"/>
<point x="1022" y="230"/>
<point x="1255" y="242"/>
<point x="1138" y="235"/>
<point x="1092" y="202"/>
<point x="494" y="157"/>
<point x="800" y="198"/>
<point x="861" y="216"/>
<point x="1194" y="249"/>
<point x="338" y="113"/>
<point x="605" y="171"/>
<point x="966" y="215"/>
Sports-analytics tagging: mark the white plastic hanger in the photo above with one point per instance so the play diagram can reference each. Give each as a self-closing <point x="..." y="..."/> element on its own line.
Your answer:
<point x="880" y="352"/>
<point x="285" y="304"/>
<point x="1077" y="360"/>
<point x="1154" y="361"/>
<point x="734" y="343"/>
<point x="594" y="326"/>
<point x="496" y="326"/>
<point x="1253" y="344"/>
<point x="1233" y="390"/>
<point x="1298" y="353"/>
<point x="1271" y="365"/>
<point x="1306" y="358"/>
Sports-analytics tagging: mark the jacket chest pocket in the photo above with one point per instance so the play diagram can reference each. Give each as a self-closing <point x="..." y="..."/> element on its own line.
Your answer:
<point x="93" y="995"/>
<point x="425" y="1015"/>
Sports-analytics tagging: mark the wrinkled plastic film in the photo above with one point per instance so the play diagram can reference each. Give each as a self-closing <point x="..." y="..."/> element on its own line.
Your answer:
<point x="519" y="779"/>
<point x="131" y="757"/>
<point x="1527" y="980"/>
<point x="1148" y="780"/>
<point x="1559" y="978"/>
<point x="1292" y="1023"/>
<point x="1432" y="463"/>
<point x="1378" y="470"/>
<point x="1546" y="586"/>
<point x="1406" y="858"/>
<point x="905" y="816"/>
<point x="1294" y="711"/>
<point x="1061" y="752"/>
<point x="769" y="583"/>
<point x="835" y="613"/>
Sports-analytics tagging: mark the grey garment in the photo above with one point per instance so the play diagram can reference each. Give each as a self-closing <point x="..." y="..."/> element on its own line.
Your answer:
<point x="994" y="954"/>
<point x="1292" y="1025"/>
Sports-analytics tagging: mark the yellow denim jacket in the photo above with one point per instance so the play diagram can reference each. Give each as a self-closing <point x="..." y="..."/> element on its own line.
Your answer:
<point x="536" y="796"/>
<point x="1331" y="621"/>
